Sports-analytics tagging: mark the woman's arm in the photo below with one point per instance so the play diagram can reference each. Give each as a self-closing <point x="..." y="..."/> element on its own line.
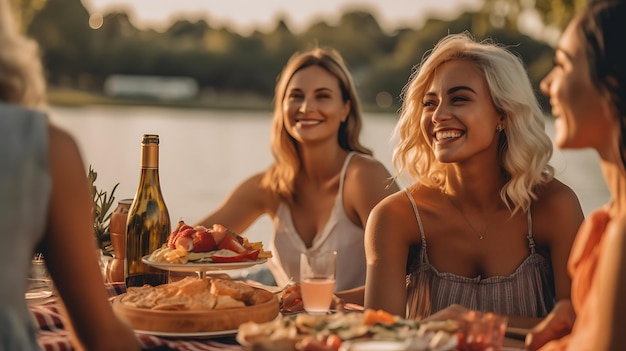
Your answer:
<point x="367" y="183"/>
<point x="561" y="220"/>
<point x="387" y="241"/>
<point x="355" y="296"/>
<point x="610" y="284"/>
<point x="70" y="253"/>
<point x="557" y="218"/>
<point x="247" y="202"/>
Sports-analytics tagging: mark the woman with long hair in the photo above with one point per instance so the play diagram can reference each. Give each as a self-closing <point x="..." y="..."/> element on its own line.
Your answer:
<point x="484" y="225"/>
<point x="587" y="90"/>
<point x="323" y="183"/>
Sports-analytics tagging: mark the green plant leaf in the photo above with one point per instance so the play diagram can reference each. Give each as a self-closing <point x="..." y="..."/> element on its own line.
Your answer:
<point x="102" y="206"/>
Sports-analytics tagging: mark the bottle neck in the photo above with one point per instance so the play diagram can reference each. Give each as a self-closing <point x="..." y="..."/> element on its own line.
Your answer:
<point x="150" y="156"/>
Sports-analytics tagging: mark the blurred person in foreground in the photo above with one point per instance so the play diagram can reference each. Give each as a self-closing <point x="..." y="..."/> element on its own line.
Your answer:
<point x="45" y="204"/>
<point x="485" y="225"/>
<point x="587" y="90"/>
<point x="323" y="183"/>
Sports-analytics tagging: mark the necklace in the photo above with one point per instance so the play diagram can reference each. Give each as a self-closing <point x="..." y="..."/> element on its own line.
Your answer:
<point x="480" y="235"/>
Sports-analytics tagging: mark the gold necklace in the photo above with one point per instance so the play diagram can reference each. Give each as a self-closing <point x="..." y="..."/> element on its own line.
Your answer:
<point x="480" y="235"/>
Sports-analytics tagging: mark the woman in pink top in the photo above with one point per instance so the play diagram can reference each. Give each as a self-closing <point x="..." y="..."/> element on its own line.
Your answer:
<point x="587" y="90"/>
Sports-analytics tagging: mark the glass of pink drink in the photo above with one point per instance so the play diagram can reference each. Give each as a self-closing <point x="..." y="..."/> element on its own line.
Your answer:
<point x="317" y="280"/>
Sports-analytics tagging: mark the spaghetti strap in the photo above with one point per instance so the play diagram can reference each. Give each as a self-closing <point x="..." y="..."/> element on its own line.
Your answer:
<point x="417" y="216"/>
<point x="528" y="291"/>
<point x="342" y="174"/>
<point x="531" y="240"/>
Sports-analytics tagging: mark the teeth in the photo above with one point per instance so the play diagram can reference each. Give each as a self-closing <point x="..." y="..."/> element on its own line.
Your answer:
<point x="447" y="135"/>
<point x="308" y="122"/>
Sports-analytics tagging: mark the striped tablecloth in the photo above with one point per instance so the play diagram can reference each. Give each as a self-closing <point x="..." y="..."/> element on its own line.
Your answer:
<point x="52" y="335"/>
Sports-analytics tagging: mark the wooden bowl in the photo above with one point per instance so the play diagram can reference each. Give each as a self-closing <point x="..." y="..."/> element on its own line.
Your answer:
<point x="265" y="309"/>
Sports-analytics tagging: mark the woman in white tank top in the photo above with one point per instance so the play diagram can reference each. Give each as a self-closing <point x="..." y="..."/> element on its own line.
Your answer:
<point x="323" y="183"/>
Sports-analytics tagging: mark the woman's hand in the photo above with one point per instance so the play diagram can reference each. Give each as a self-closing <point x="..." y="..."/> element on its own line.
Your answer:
<point x="556" y="325"/>
<point x="292" y="299"/>
<point x="451" y="312"/>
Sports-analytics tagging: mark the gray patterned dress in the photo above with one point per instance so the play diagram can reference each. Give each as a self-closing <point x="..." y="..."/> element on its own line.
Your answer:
<point x="25" y="187"/>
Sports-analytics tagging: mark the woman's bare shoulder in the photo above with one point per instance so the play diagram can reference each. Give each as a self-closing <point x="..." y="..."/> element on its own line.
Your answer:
<point x="555" y="197"/>
<point x="362" y="164"/>
<point x="60" y="138"/>
<point x="366" y="172"/>
<point x="394" y="217"/>
<point x="398" y="207"/>
<point x="556" y="213"/>
<point x="63" y="149"/>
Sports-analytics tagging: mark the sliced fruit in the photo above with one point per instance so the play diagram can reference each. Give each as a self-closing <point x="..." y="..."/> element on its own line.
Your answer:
<point x="203" y="241"/>
<point x="171" y="239"/>
<point x="231" y="243"/>
<point x="219" y="232"/>
<point x="229" y="256"/>
<point x="371" y="317"/>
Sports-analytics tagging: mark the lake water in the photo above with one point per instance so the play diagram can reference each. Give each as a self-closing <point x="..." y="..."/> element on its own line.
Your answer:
<point x="204" y="154"/>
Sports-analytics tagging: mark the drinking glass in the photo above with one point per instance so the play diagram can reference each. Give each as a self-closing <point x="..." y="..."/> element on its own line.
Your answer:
<point x="483" y="331"/>
<point x="39" y="282"/>
<point x="317" y="280"/>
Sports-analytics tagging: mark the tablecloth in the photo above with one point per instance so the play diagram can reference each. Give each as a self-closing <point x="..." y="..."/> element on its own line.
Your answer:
<point x="52" y="335"/>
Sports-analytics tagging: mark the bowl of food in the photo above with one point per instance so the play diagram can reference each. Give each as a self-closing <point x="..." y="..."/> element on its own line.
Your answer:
<point x="195" y="305"/>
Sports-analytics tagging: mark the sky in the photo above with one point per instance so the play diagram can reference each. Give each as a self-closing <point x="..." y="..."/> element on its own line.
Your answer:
<point x="248" y="15"/>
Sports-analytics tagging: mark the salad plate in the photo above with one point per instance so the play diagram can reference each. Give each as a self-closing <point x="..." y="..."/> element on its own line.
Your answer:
<point x="198" y="335"/>
<point x="201" y="266"/>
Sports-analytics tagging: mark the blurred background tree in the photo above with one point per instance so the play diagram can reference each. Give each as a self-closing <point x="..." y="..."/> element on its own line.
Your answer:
<point x="80" y="50"/>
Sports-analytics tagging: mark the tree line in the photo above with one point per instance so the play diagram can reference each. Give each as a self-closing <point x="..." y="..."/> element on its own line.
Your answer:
<point x="225" y="62"/>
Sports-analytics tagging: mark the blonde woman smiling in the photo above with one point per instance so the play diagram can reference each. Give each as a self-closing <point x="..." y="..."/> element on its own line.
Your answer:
<point x="484" y="226"/>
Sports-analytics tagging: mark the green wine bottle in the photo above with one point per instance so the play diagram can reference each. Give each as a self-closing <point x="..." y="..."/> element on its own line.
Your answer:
<point x="148" y="224"/>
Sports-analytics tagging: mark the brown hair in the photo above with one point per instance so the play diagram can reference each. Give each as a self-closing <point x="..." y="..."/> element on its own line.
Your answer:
<point x="280" y="177"/>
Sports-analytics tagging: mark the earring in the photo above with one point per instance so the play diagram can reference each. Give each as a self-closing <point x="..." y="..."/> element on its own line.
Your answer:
<point x="499" y="128"/>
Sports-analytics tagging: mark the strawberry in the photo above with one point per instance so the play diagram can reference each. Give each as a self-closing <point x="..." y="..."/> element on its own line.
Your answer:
<point x="219" y="232"/>
<point x="230" y="242"/>
<point x="203" y="241"/>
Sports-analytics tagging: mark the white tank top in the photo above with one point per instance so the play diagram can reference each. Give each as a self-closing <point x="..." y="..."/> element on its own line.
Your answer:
<point x="339" y="234"/>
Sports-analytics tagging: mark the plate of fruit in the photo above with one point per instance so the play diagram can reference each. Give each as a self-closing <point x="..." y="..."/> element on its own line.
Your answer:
<point x="192" y="249"/>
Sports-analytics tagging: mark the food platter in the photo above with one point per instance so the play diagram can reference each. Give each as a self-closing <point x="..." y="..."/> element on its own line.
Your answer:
<point x="201" y="267"/>
<point x="198" y="335"/>
<point x="394" y="345"/>
<point x="196" y="323"/>
<point x="357" y="331"/>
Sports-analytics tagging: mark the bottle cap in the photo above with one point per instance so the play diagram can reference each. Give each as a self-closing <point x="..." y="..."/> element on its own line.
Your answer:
<point x="150" y="139"/>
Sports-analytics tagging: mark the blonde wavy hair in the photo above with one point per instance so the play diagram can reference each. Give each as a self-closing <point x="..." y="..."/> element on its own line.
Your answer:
<point x="21" y="74"/>
<point x="524" y="147"/>
<point x="280" y="177"/>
